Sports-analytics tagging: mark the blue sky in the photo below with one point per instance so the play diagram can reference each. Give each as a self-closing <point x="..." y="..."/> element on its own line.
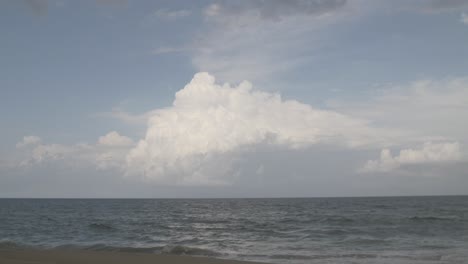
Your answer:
<point x="75" y="71"/>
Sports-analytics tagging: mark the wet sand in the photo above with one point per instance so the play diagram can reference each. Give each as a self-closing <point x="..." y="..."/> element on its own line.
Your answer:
<point x="92" y="257"/>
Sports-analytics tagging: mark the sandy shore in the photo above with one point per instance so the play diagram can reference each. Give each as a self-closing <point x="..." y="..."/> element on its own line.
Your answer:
<point x="91" y="257"/>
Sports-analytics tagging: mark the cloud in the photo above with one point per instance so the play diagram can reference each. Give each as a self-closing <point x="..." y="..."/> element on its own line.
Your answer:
<point x="229" y="45"/>
<point x="128" y="118"/>
<point x="427" y="108"/>
<point x="272" y="10"/>
<point x="167" y="14"/>
<point x="39" y="7"/>
<point x="428" y="153"/>
<point x="108" y="153"/>
<point x="113" y="3"/>
<point x="28" y="141"/>
<point x="446" y="4"/>
<point x="261" y="40"/>
<point x="199" y="137"/>
<point x="166" y="50"/>
<point x="113" y="139"/>
<point x="464" y="18"/>
<point x="52" y="152"/>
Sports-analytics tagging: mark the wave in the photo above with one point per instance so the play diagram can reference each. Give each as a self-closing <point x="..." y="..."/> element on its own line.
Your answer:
<point x="102" y="227"/>
<point x="325" y="256"/>
<point x="192" y="251"/>
<point x="363" y="240"/>
<point x="167" y="250"/>
<point x="336" y="220"/>
<point x="291" y="257"/>
<point x="415" y="258"/>
<point x="105" y="247"/>
<point x="195" y="251"/>
<point x="356" y="256"/>
<point x="433" y="218"/>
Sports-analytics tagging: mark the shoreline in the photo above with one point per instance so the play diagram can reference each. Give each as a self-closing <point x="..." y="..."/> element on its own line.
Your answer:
<point x="49" y="256"/>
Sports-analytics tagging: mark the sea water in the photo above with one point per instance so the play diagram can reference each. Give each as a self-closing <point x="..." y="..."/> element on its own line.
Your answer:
<point x="300" y="230"/>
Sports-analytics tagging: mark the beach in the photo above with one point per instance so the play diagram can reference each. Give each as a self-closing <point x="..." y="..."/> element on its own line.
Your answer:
<point x="90" y="257"/>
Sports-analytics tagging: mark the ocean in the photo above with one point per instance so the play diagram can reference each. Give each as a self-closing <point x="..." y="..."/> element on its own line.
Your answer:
<point x="425" y="230"/>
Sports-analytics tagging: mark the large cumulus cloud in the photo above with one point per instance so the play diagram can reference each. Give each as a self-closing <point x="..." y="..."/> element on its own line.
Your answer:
<point x="197" y="139"/>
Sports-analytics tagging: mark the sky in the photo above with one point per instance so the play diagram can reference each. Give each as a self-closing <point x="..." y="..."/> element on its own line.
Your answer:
<point x="178" y="99"/>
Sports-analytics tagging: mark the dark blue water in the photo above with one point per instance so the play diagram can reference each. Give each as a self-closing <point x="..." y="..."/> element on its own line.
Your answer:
<point x="309" y="230"/>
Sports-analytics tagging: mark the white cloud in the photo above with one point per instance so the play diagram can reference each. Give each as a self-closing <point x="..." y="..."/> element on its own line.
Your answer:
<point x="272" y="10"/>
<point x="464" y="18"/>
<point x="128" y="118"/>
<point x="109" y="152"/>
<point x="113" y="3"/>
<point x="28" y="141"/>
<point x="256" y="39"/>
<point x="430" y="109"/>
<point x="209" y="121"/>
<point x="166" y="50"/>
<point x="113" y="139"/>
<point x="43" y="153"/>
<point x="444" y="5"/>
<point x="428" y="153"/>
<point x="172" y="14"/>
<point x="260" y="40"/>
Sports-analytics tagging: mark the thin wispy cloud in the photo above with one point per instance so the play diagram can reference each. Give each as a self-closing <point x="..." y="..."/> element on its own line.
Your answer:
<point x="464" y="18"/>
<point x="113" y="3"/>
<point x="166" y="50"/>
<point x="125" y="117"/>
<point x="38" y="7"/>
<point x="168" y="14"/>
<point x="446" y="4"/>
<point x="230" y="46"/>
<point x="271" y="10"/>
<point x="426" y="107"/>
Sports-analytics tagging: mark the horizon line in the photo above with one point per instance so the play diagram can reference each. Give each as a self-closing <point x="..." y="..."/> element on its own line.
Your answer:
<point x="213" y="198"/>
